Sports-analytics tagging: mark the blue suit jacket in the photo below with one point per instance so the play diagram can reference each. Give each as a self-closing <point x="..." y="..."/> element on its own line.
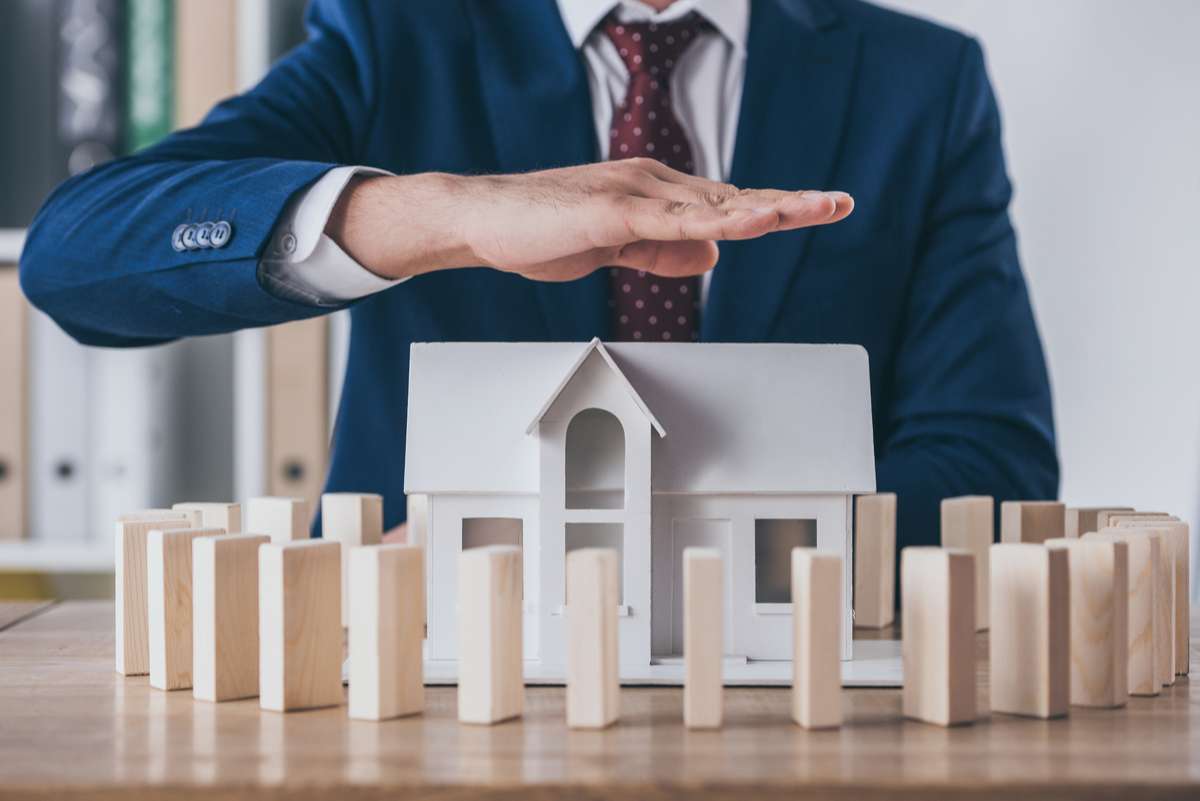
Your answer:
<point x="838" y="94"/>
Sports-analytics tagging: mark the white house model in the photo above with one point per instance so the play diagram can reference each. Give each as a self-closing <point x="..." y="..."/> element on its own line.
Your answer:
<point x="648" y="448"/>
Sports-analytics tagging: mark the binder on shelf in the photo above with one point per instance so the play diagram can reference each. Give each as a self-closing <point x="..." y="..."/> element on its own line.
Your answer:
<point x="205" y="57"/>
<point x="13" y="374"/>
<point x="297" y="403"/>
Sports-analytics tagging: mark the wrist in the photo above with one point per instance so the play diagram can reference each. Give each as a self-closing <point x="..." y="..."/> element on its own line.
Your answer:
<point x="402" y="226"/>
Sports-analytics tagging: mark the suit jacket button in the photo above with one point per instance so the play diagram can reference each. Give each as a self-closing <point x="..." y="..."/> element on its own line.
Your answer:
<point x="203" y="231"/>
<point x="222" y="232"/>
<point x="177" y="238"/>
<point x="189" y="238"/>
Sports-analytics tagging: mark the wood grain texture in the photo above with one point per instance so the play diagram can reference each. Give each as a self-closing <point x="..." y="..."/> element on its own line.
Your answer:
<point x="1164" y="602"/>
<point x="299" y="625"/>
<point x="282" y="519"/>
<point x="1108" y="518"/>
<point x="874" y="560"/>
<point x="227" y="516"/>
<point x="13" y="403"/>
<point x="1143" y="672"/>
<point x="386" y="626"/>
<point x="1082" y="519"/>
<point x="1030" y="645"/>
<point x="1032" y="521"/>
<point x="490" y="681"/>
<point x="1099" y="578"/>
<point x="132" y="625"/>
<point x="169" y="574"/>
<point x="74" y="730"/>
<point x="969" y="523"/>
<point x="13" y="612"/>
<point x="593" y="594"/>
<point x="225" y="616"/>
<point x="816" y="638"/>
<point x="937" y="588"/>
<point x="1179" y="536"/>
<point x="351" y="519"/>
<point x="703" y="637"/>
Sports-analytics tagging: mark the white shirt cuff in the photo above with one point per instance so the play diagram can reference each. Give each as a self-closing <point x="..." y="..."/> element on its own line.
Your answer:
<point x="302" y="263"/>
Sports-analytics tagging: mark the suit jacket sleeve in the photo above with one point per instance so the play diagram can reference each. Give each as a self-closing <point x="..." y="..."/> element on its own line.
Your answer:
<point x="970" y="409"/>
<point x="98" y="257"/>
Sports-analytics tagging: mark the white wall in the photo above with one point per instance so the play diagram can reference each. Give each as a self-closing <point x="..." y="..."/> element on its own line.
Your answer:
<point x="1101" y="108"/>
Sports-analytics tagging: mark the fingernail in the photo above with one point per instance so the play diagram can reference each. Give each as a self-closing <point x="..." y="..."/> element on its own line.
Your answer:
<point x="839" y="197"/>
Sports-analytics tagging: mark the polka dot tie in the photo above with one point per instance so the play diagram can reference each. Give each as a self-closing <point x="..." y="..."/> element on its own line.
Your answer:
<point x="646" y="307"/>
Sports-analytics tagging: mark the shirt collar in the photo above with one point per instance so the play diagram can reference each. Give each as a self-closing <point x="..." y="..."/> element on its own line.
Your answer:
<point x="730" y="17"/>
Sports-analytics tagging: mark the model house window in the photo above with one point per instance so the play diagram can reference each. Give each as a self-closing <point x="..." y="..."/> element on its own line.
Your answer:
<point x="595" y="454"/>
<point x="599" y="535"/>
<point x="480" y="531"/>
<point x="773" y="544"/>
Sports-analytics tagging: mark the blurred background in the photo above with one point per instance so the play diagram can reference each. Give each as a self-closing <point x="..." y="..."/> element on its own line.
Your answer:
<point x="1102" y="120"/>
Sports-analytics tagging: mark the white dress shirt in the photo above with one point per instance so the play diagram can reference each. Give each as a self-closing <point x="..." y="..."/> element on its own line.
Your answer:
<point x="305" y="265"/>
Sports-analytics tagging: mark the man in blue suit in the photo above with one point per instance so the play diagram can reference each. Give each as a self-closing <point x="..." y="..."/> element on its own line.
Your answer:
<point x="406" y="144"/>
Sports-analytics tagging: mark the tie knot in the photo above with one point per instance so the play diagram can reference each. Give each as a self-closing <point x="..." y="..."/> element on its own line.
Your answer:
<point x="653" y="47"/>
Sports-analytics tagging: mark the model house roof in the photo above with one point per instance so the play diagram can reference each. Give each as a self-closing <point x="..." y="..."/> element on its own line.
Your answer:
<point x="769" y="418"/>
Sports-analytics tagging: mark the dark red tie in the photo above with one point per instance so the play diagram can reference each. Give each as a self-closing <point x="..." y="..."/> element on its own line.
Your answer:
<point x="642" y="306"/>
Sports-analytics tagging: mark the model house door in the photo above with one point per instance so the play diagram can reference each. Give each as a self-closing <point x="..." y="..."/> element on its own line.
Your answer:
<point x="693" y="533"/>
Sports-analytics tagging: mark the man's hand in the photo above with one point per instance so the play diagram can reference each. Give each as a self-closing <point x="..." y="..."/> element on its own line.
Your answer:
<point x="558" y="225"/>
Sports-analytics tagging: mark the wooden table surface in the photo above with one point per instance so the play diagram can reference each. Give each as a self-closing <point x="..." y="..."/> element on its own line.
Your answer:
<point x="71" y="727"/>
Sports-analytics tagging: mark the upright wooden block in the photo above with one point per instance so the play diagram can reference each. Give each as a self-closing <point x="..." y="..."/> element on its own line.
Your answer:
<point x="169" y="574"/>
<point x="1082" y="519"/>
<point x="225" y="616"/>
<point x="1032" y="521"/>
<point x="969" y="523"/>
<point x="1030" y="643"/>
<point x="937" y="607"/>
<point x="387" y="591"/>
<point x="1108" y="518"/>
<point x="299" y="625"/>
<point x="490" y="673"/>
<point x="874" y="560"/>
<point x="1178" y="535"/>
<point x="1143" y="673"/>
<point x="281" y="519"/>
<point x="703" y="637"/>
<point x="214" y="515"/>
<point x="352" y="519"/>
<point x="816" y="638"/>
<point x="593" y="594"/>
<point x="1164" y="596"/>
<point x="1099" y="578"/>
<point x="132" y="609"/>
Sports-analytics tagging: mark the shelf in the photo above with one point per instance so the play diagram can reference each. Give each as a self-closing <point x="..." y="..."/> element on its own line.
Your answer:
<point x="54" y="557"/>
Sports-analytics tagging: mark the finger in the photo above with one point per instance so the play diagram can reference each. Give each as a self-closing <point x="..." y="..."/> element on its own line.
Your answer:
<point x="674" y="259"/>
<point x="630" y="219"/>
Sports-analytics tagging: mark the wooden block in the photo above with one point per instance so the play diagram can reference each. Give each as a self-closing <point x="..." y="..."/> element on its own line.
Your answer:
<point x="169" y="595"/>
<point x="214" y="515"/>
<point x="417" y="519"/>
<point x="281" y="519"/>
<point x="937" y="607"/>
<point x="1143" y="673"/>
<point x="703" y="637"/>
<point x="1099" y="578"/>
<point x="1107" y="518"/>
<point x="1082" y="519"/>
<point x="1032" y="521"/>
<point x="1030" y="643"/>
<point x="132" y="638"/>
<point x="225" y="616"/>
<point x="14" y="406"/>
<point x="593" y="595"/>
<point x="816" y="638"/>
<point x="490" y="679"/>
<point x="299" y="625"/>
<point x="969" y="523"/>
<point x="874" y="560"/>
<point x="1164" y="595"/>
<point x="352" y="519"/>
<point x="1179" y="537"/>
<point x="386" y="627"/>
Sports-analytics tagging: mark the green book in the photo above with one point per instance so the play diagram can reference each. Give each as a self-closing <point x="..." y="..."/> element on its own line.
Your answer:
<point x="149" y="76"/>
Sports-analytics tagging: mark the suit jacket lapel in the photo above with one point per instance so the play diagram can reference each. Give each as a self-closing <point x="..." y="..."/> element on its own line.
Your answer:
<point x="799" y="76"/>
<point x="536" y="91"/>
